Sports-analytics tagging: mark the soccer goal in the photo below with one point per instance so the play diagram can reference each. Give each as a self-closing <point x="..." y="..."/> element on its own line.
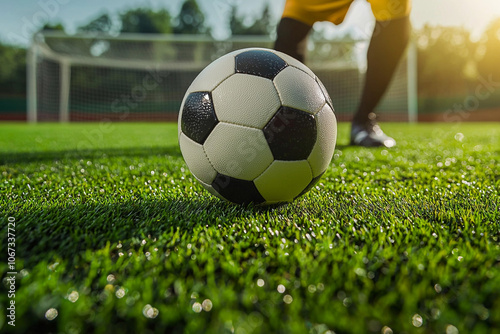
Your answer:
<point x="143" y="77"/>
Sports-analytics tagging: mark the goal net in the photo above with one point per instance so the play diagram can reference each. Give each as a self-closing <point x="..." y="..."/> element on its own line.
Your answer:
<point x="143" y="77"/>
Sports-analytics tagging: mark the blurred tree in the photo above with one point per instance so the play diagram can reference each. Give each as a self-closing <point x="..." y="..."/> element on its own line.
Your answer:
<point x="262" y="26"/>
<point x="236" y="24"/>
<point x="102" y="24"/>
<point x="489" y="52"/>
<point x="145" y="20"/>
<point x="13" y="70"/>
<point x="445" y="61"/>
<point x="53" y="26"/>
<point x="191" y="19"/>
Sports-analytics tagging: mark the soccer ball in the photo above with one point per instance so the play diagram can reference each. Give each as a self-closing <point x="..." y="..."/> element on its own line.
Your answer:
<point x="257" y="126"/>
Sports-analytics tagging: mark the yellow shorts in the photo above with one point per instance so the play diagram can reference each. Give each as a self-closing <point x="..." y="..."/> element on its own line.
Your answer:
<point x="311" y="11"/>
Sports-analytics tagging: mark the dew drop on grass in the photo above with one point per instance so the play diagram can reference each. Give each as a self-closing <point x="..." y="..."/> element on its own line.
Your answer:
<point x="459" y="136"/>
<point x="120" y="293"/>
<point x="288" y="299"/>
<point x="207" y="305"/>
<point x="417" y="320"/>
<point x="53" y="266"/>
<point x="197" y="307"/>
<point x="450" y="329"/>
<point x="386" y="330"/>
<point x="73" y="296"/>
<point x="51" y="314"/>
<point x="150" y="312"/>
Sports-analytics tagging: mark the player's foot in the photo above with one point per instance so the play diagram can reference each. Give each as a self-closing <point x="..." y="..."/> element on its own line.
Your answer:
<point x="369" y="134"/>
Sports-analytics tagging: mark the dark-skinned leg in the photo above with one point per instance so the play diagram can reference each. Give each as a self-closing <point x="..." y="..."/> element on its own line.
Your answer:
<point x="387" y="45"/>
<point x="292" y="38"/>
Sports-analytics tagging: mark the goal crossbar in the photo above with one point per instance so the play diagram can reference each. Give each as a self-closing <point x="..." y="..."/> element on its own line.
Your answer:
<point x="65" y="71"/>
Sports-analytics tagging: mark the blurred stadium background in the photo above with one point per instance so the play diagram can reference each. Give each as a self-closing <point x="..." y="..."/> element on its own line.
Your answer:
<point x="135" y="65"/>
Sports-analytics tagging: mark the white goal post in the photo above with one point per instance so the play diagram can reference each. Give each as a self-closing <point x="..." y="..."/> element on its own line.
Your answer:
<point x="143" y="77"/>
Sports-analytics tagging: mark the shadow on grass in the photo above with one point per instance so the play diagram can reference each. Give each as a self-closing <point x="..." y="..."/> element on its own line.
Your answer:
<point x="28" y="157"/>
<point x="65" y="231"/>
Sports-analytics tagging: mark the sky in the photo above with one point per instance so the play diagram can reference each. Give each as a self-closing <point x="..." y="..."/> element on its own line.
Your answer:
<point x="20" y="18"/>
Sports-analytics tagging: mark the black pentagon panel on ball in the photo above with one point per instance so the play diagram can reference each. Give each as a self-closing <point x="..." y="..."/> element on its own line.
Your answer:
<point x="198" y="116"/>
<point x="291" y="134"/>
<point x="310" y="185"/>
<point x="236" y="190"/>
<point x="261" y="63"/>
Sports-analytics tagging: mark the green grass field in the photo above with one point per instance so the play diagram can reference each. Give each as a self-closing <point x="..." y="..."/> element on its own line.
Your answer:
<point x="114" y="235"/>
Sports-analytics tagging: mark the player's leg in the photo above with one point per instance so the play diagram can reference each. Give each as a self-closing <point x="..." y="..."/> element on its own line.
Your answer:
<point x="298" y="19"/>
<point x="387" y="45"/>
<point x="292" y="38"/>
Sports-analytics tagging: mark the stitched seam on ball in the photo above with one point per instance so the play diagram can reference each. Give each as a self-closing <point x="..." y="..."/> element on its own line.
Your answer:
<point x="203" y="147"/>
<point x="320" y="108"/>
<point x="220" y="82"/>
<point x="314" y="77"/>
<point x="210" y="162"/>
<point x="241" y="125"/>
<point x="310" y="168"/>
<point x="255" y="178"/>
<point x="325" y="93"/>
<point x="277" y="92"/>
<point x="307" y="111"/>
<point x="291" y="65"/>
